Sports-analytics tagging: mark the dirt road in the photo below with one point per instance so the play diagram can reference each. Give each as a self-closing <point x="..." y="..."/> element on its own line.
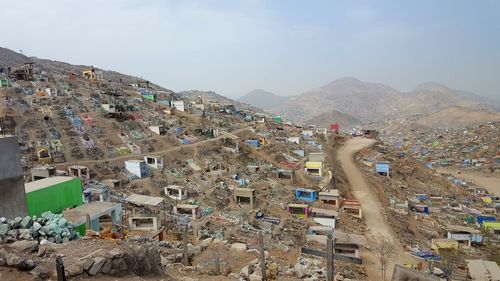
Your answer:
<point x="372" y="209"/>
<point x="489" y="181"/>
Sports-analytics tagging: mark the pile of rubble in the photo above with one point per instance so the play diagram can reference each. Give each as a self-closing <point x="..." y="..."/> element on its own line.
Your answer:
<point x="52" y="227"/>
<point x="140" y="259"/>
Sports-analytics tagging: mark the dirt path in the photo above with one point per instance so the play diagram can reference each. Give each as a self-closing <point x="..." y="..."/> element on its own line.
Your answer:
<point x="489" y="181"/>
<point x="372" y="208"/>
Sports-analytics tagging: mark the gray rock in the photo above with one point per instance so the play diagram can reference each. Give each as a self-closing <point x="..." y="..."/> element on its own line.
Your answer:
<point x="3" y="253"/>
<point x="19" y="263"/>
<point x="13" y="260"/>
<point x="3" y="262"/>
<point x="106" y="268"/>
<point x="42" y="271"/>
<point x="12" y="233"/>
<point x="58" y="239"/>
<point x="88" y="264"/>
<point x="254" y="277"/>
<point x="36" y="226"/>
<point x="239" y="246"/>
<point x="96" y="267"/>
<point x="26" y="222"/>
<point x="301" y="268"/>
<point x="247" y="270"/>
<point x="75" y="269"/>
<point x="116" y="253"/>
<point x="25" y="246"/>
<point x="4" y="228"/>
<point x="119" y="265"/>
<point x="16" y="223"/>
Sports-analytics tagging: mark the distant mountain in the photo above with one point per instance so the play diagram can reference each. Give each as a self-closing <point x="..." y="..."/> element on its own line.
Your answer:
<point x="492" y="102"/>
<point x="327" y="118"/>
<point x="263" y="99"/>
<point x="371" y="102"/>
<point x="349" y="95"/>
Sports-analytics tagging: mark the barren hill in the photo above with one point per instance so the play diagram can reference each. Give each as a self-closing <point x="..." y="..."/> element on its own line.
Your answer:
<point x="371" y="102"/>
<point x="458" y="117"/>
<point x="263" y="99"/>
<point x="327" y="118"/>
<point x="11" y="58"/>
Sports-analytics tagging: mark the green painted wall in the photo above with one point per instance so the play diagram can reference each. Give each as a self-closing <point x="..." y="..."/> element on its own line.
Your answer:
<point x="55" y="198"/>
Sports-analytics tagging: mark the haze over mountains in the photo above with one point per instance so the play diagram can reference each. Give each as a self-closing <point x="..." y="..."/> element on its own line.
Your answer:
<point x="348" y="101"/>
<point x="369" y="102"/>
<point x="263" y="99"/>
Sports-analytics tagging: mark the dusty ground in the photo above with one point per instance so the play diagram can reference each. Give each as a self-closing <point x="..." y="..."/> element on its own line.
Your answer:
<point x="372" y="208"/>
<point x="490" y="181"/>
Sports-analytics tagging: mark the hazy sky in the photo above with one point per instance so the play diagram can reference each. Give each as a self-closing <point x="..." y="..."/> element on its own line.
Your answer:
<point x="286" y="46"/>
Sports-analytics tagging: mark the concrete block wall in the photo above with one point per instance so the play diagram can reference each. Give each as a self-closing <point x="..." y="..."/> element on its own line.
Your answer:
<point x="12" y="194"/>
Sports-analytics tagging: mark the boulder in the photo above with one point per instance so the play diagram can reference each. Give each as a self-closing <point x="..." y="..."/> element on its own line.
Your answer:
<point x="3" y="262"/>
<point x="106" y="268"/>
<point x="119" y="265"/>
<point x="87" y="264"/>
<point x="42" y="271"/>
<point x="75" y="269"/>
<point x="116" y="253"/>
<point x="13" y="260"/>
<point x="18" y="262"/>
<point x="25" y="246"/>
<point x="96" y="266"/>
<point x="239" y="246"/>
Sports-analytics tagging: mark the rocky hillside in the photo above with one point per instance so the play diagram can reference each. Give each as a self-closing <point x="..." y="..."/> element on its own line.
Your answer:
<point x="11" y="58"/>
<point x="326" y="119"/>
<point x="216" y="97"/>
<point x="370" y="102"/>
<point x="457" y="117"/>
<point x="263" y="99"/>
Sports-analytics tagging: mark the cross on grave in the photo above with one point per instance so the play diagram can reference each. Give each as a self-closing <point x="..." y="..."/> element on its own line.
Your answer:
<point x="328" y="254"/>
<point x="262" y="254"/>
<point x="217" y="262"/>
<point x="185" y="250"/>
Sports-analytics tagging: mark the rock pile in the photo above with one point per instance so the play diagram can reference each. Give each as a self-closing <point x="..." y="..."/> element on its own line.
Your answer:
<point x="52" y="227"/>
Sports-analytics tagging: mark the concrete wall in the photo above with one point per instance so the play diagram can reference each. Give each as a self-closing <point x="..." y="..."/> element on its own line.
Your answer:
<point x="12" y="195"/>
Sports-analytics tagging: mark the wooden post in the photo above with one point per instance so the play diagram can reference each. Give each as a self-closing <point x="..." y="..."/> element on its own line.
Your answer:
<point x="87" y="224"/>
<point x="60" y="269"/>
<point x="329" y="257"/>
<point x="262" y="256"/>
<point x="185" y="256"/>
<point x="217" y="263"/>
